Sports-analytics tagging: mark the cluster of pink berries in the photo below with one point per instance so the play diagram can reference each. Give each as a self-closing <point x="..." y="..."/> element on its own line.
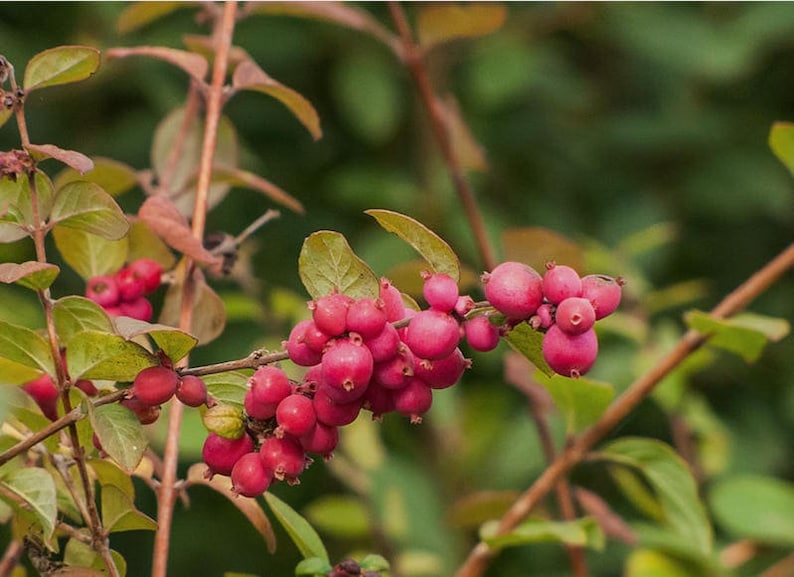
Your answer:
<point x="560" y="303"/>
<point x="124" y="293"/>
<point x="155" y="385"/>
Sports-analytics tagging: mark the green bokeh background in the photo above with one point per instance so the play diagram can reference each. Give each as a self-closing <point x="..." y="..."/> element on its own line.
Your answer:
<point x="598" y="121"/>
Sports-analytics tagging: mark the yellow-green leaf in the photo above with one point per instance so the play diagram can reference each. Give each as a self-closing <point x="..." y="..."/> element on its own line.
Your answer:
<point x="120" y="433"/>
<point x="36" y="487"/>
<point x="327" y="263"/>
<point x="444" y="22"/>
<point x="584" y="532"/>
<point x="60" y="65"/>
<point x="99" y="355"/>
<point x="85" y="206"/>
<point x="745" y="335"/>
<point x="781" y="141"/>
<point x="173" y="342"/>
<point x="113" y="176"/>
<point x="581" y="401"/>
<point x="119" y="512"/>
<point x="139" y="14"/>
<point x="26" y="347"/>
<point x="31" y="274"/>
<point x="88" y="254"/>
<point x="529" y="342"/>
<point x="74" y="314"/>
<point x="297" y="527"/>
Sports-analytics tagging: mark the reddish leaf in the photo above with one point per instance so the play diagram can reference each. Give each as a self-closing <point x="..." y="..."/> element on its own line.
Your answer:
<point x="167" y="222"/>
<point x="193" y="64"/>
<point x="249" y="76"/>
<point x="243" y="178"/>
<point x="32" y="274"/>
<point x="80" y="162"/>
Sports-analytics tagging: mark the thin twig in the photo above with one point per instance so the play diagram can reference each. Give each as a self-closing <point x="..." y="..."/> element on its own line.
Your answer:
<point x="480" y="555"/>
<point x="413" y="60"/>
<point x="252" y="361"/>
<point x="11" y="557"/>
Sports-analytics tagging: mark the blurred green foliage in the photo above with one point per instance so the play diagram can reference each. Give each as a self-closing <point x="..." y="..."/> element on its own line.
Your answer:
<point x="637" y="130"/>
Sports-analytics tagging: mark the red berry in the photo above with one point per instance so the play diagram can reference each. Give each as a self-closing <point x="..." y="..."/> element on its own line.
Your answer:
<point x="220" y="454"/>
<point x="87" y="387"/>
<point x="366" y="317"/>
<point x="140" y="309"/>
<point x="379" y="400"/>
<point x="442" y="373"/>
<point x="250" y="477"/>
<point x="149" y="271"/>
<point x="385" y="344"/>
<point x="155" y="385"/>
<point x="394" y="372"/>
<point x="440" y="291"/>
<point x="297" y="349"/>
<point x="603" y="292"/>
<point x="43" y="390"/>
<point x="392" y="301"/>
<point x="514" y="289"/>
<point x="295" y="415"/>
<point x="192" y="391"/>
<point x="347" y="365"/>
<point x="332" y="413"/>
<point x="432" y="334"/>
<point x="103" y="290"/>
<point x="321" y="440"/>
<point x="481" y="334"/>
<point x="284" y="456"/>
<point x="314" y="338"/>
<point x="413" y="400"/>
<point x="131" y="286"/>
<point x="146" y="414"/>
<point x="575" y="315"/>
<point x="330" y="313"/>
<point x="269" y="386"/>
<point x="569" y="355"/>
<point x="560" y="282"/>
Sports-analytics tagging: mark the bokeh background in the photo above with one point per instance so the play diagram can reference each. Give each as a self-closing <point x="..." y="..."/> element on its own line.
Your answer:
<point x="638" y="131"/>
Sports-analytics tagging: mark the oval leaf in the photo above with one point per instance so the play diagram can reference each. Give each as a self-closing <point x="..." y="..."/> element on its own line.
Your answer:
<point x="16" y="207"/>
<point x="745" y="336"/>
<point x="313" y="566"/>
<point x="113" y="176"/>
<point x="36" y="487"/>
<point x="74" y="314"/>
<point x="88" y="254"/>
<point x="444" y="22"/>
<point x="227" y="388"/>
<point x="529" y="342"/>
<point x="139" y="14"/>
<point x="119" y="512"/>
<point x="76" y="160"/>
<point x="300" y="531"/>
<point x="581" y="401"/>
<point x="99" y="355"/>
<point x="438" y="254"/>
<point x="327" y="264"/>
<point x="164" y="219"/>
<point x="249" y="76"/>
<point x="194" y="64"/>
<point x="85" y="206"/>
<point x="248" y="507"/>
<point x="243" y="178"/>
<point x="26" y="347"/>
<point x="60" y="65"/>
<point x="584" y="532"/>
<point x="32" y="274"/>
<point x="120" y="433"/>
<point x="174" y="343"/>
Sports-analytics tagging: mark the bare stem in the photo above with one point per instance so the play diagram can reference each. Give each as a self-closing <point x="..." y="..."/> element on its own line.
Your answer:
<point x="480" y="555"/>
<point x="11" y="557"/>
<point x="412" y="56"/>
<point x="252" y="361"/>
<point x="168" y="493"/>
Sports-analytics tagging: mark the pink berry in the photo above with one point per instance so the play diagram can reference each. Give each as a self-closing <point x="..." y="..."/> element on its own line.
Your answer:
<point x="560" y="282"/>
<point x="220" y="454"/>
<point x="43" y="390"/>
<point x="464" y="305"/>
<point x="103" y="290"/>
<point x="140" y="309"/>
<point x="442" y="373"/>
<point x="155" y="385"/>
<point x="332" y="413"/>
<point x="131" y="286"/>
<point x="321" y="440"/>
<point x="394" y="372"/>
<point x="330" y="313"/>
<point x="385" y="344"/>
<point x="570" y="355"/>
<point x="440" y="291"/>
<point x="481" y="334"/>
<point x="295" y="415"/>
<point x="366" y="317"/>
<point x="269" y="386"/>
<point x="432" y="334"/>
<point x="514" y="289"/>
<point x="347" y="365"/>
<point x="314" y="338"/>
<point x="379" y="400"/>
<point x="575" y="315"/>
<point x="297" y="349"/>
<point x="250" y="477"/>
<point x="192" y="391"/>
<point x="603" y="292"/>
<point x="284" y="456"/>
<point x="543" y="318"/>
<point x="413" y="400"/>
<point x="146" y="414"/>
<point x="392" y="301"/>
<point x="149" y="271"/>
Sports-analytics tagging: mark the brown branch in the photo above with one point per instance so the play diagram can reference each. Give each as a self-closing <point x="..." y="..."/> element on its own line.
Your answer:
<point x="167" y="493"/>
<point x="783" y="568"/>
<point x="11" y="557"/>
<point x="480" y="555"/>
<point x="412" y="56"/>
<point x="252" y="361"/>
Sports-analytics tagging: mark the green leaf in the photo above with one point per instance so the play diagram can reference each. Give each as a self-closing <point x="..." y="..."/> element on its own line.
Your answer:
<point x="327" y="264"/>
<point x="537" y="245"/>
<point x="99" y="355"/>
<point x="300" y="531"/>
<point x="581" y="401"/>
<point x="88" y="254"/>
<point x="781" y="141"/>
<point x="173" y="342"/>
<point x="672" y="481"/>
<point x="16" y="209"/>
<point x="227" y="388"/>
<point x="120" y="433"/>
<point x="341" y="516"/>
<point x="85" y="206"/>
<point x="108" y="473"/>
<point x="313" y="566"/>
<point x="60" y="65"/>
<point x="374" y="562"/>
<point x="584" y="532"/>
<point x="756" y="508"/>
<point x="226" y="421"/>
<point x="5" y="114"/>
<point x="112" y="176"/>
<point x="36" y="487"/>
<point x="74" y="314"/>
<point x="474" y="509"/>
<point x="650" y="563"/>
<point x="31" y="274"/>
<point x="26" y="347"/>
<point x="119" y="512"/>
<point x="438" y="254"/>
<point x="138" y="14"/>
<point x="529" y="342"/>
<point x="745" y="335"/>
<point x="445" y="22"/>
<point x="12" y="373"/>
<point x="249" y="76"/>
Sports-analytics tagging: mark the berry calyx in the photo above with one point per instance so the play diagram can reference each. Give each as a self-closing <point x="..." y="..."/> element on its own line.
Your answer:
<point x="131" y="286"/>
<point x="284" y="456"/>
<point x="347" y="365"/>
